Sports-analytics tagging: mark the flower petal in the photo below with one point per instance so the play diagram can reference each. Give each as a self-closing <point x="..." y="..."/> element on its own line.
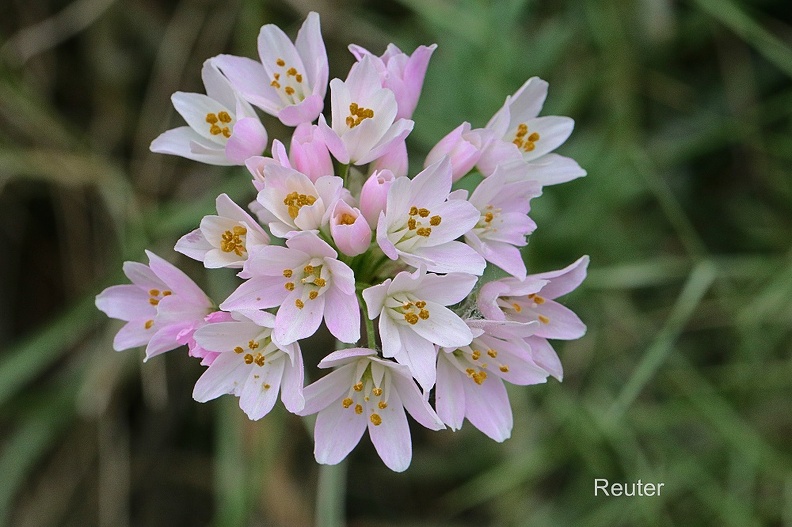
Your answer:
<point x="391" y="438"/>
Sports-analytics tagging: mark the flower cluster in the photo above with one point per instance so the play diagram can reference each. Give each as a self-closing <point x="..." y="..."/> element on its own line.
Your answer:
<point x="339" y="233"/>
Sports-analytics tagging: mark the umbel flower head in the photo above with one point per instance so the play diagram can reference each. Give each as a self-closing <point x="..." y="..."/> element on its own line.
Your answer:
<point x="340" y="234"/>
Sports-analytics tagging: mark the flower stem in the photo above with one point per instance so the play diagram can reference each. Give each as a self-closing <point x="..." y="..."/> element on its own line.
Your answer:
<point x="331" y="495"/>
<point x="343" y="170"/>
<point x="372" y="338"/>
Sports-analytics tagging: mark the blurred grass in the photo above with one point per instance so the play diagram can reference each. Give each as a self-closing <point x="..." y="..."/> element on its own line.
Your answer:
<point x="683" y="113"/>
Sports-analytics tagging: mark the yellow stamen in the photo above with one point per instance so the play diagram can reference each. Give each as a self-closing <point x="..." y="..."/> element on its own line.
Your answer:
<point x="299" y="303"/>
<point x="224" y="117"/>
<point x="382" y="405"/>
<point x="320" y="282"/>
<point x="475" y="355"/>
<point x="424" y="231"/>
<point x="358" y="387"/>
<point x="423" y="314"/>
<point x="259" y="360"/>
<point x="377" y="391"/>
<point x="313" y="294"/>
<point x="287" y="273"/>
<point x="376" y="419"/>
<point x="543" y="319"/>
<point x="423" y="212"/>
<point x="289" y="286"/>
<point x="148" y="324"/>
<point x="347" y="402"/>
<point x="411" y="318"/>
<point x="434" y="221"/>
<point x="346" y="219"/>
<point x="248" y="358"/>
<point x="504" y="368"/>
<point x="280" y="62"/>
<point x="358" y="409"/>
<point x="238" y="349"/>
<point x="211" y="118"/>
<point x="492" y="353"/>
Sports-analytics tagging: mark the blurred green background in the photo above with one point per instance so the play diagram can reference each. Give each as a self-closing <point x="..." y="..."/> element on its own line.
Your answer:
<point x="684" y="123"/>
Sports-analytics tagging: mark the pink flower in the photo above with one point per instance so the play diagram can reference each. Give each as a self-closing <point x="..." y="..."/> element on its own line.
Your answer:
<point x="290" y="82"/>
<point x="394" y="159"/>
<point x="374" y="195"/>
<point x="470" y="378"/>
<point x="463" y="146"/>
<point x="162" y="307"/>
<point x="413" y="318"/>
<point x="223" y="240"/>
<point x="351" y="234"/>
<point x="363" y="117"/>
<point x="296" y="202"/>
<point x="400" y="73"/>
<point x="533" y="299"/>
<point x="520" y="135"/>
<point x="420" y="227"/>
<point x="223" y="129"/>
<point x="308" y="283"/>
<point x="308" y="153"/>
<point x="250" y="365"/>
<point x="365" y="392"/>
<point x="503" y="223"/>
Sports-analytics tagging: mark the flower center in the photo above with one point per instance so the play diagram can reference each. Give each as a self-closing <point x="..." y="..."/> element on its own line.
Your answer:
<point x="231" y="241"/>
<point x="488" y="219"/>
<point x="257" y="351"/>
<point x="365" y="393"/>
<point x="515" y="306"/>
<point x="409" y="308"/>
<point x="288" y="83"/>
<point x="523" y="140"/>
<point x="346" y="219"/>
<point x="218" y="123"/>
<point x="358" y="114"/>
<point x="295" y="202"/>
<point x="470" y="361"/>
<point x="155" y="295"/>
<point x="311" y="283"/>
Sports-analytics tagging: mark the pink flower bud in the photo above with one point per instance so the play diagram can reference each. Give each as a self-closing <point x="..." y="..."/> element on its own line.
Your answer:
<point x="374" y="195"/>
<point x="395" y="160"/>
<point x="351" y="233"/>
<point x="463" y="146"/>
<point x="309" y="153"/>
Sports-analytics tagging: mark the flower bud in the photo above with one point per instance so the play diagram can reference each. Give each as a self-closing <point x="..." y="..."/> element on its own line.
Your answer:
<point x="351" y="233"/>
<point x="309" y="153"/>
<point x="463" y="146"/>
<point x="374" y="195"/>
<point x="394" y="159"/>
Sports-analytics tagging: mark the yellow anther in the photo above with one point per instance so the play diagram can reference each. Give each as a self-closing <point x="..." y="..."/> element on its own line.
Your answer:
<point x="413" y="211"/>
<point x="377" y="391"/>
<point x="479" y="377"/>
<point x="275" y="84"/>
<point x="420" y="304"/>
<point x="534" y="137"/>
<point x="215" y="130"/>
<point x="166" y="293"/>
<point x="248" y="358"/>
<point x="266" y="386"/>
<point x="475" y="355"/>
<point x="259" y="360"/>
<point x="346" y="403"/>
<point x="411" y="318"/>
<point x="280" y="62"/>
<point x="411" y="224"/>
<point x="230" y="242"/>
<point x="358" y="409"/>
<point x="224" y="117"/>
<point x="424" y="231"/>
<point x="346" y="219"/>
<point x="470" y="372"/>
<point x="211" y="118"/>
<point x="517" y="307"/>
<point x="154" y="292"/>
<point x="358" y="387"/>
<point x="492" y="353"/>
<point x="276" y="76"/>
<point x="289" y="286"/>
<point x="375" y="418"/>
<point x="238" y="349"/>
<point x="488" y="217"/>
<point x="308" y="269"/>
<point x="529" y="146"/>
<point x="148" y="324"/>
<point x="522" y="130"/>
<point x="538" y="300"/>
<point x="358" y="114"/>
<point x="153" y="301"/>
<point x="434" y="221"/>
<point x="382" y="405"/>
<point x="504" y="369"/>
<point x="289" y="90"/>
<point x="424" y="314"/>
<point x="291" y="72"/>
<point x="298" y="77"/>
<point x="287" y="273"/>
<point x="252" y="344"/>
<point x="423" y="212"/>
<point x="299" y="303"/>
<point x="226" y="132"/>
<point x="543" y="319"/>
<point x="313" y="294"/>
<point x="320" y="282"/>
<point x="294" y="201"/>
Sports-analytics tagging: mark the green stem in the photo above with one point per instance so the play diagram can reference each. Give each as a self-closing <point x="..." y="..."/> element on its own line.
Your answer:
<point x="343" y="170"/>
<point x="331" y="495"/>
<point x="372" y="338"/>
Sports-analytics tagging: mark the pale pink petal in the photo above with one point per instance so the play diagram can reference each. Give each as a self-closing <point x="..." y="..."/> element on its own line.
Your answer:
<point x="293" y="380"/>
<point x="443" y="327"/>
<point x="527" y="102"/>
<point x="224" y="376"/>
<point x="447" y="289"/>
<point x="327" y="390"/>
<point x="177" y="281"/>
<point x="415" y="403"/>
<point x="194" y="244"/>
<point x="375" y="298"/>
<point x="451" y="257"/>
<point x="260" y="391"/>
<point x="125" y="302"/>
<point x="564" y="280"/>
<point x="390" y="336"/>
<point x="545" y="356"/>
<point x="342" y="315"/>
<point x="311" y="49"/>
<point x="449" y="393"/>
<point x="553" y="131"/>
<point x="256" y="293"/>
<point x="180" y="142"/>
<point x="337" y="431"/>
<point x="488" y="409"/>
<point x="391" y="438"/>
<point x="419" y="355"/>
<point x="249" y="138"/>
<point x="132" y="335"/>
<point x="564" y="324"/>
<point x="303" y="112"/>
<point x="344" y="356"/>
<point x="250" y="79"/>
<point x="504" y="255"/>
<point x="166" y="339"/>
<point x="293" y="323"/>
